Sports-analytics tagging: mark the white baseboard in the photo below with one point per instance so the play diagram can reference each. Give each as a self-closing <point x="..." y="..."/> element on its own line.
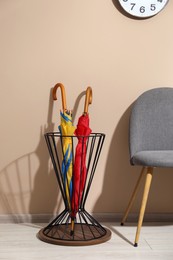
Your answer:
<point x="133" y="217"/>
<point x="101" y="217"/>
<point x="25" y="218"/>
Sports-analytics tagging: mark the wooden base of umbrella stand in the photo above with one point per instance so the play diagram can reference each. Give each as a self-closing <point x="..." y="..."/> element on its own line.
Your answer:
<point x="75" y="227"/>
<point x="84" y="234"/>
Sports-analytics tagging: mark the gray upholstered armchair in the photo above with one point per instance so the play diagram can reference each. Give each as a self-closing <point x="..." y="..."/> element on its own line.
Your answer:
<point x="150" y="140"/>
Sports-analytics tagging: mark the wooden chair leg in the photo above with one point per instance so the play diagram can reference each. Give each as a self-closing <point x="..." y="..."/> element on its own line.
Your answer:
<point x="144" y="202"/>
<point x="132" y="199"/>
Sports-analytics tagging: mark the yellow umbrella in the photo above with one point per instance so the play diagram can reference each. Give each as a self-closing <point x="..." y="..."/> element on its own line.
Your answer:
<point x="66" y="129"/>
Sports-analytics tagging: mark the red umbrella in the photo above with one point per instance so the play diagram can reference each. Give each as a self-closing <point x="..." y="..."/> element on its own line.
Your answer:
<point x="80" y="170"/>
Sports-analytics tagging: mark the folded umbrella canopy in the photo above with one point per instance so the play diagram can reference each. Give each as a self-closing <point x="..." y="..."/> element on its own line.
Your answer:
<point x="66" y="129"/>
<point x="80" y="171"/>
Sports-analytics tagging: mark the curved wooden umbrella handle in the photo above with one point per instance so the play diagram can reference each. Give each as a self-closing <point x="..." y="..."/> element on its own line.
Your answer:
<point x="88" y="99"/>
<point x="63" y="95"/>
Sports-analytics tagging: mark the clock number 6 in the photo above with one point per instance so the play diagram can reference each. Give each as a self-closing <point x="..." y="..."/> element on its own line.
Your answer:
<point x="142" y="9"/>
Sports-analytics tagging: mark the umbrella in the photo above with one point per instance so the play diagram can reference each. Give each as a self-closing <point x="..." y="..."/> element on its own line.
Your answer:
<point x="66" y="129"/>
<point x="80" y="170"/>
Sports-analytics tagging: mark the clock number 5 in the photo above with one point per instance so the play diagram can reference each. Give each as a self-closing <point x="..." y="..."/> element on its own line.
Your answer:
<point x="153" y="7"/>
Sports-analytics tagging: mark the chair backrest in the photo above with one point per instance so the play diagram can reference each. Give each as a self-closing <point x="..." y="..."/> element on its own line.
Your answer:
<point x="151" y="121"/>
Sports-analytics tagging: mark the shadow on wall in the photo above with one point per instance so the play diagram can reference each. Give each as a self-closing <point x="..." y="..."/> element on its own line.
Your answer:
<point x="45" y="196"/>
<point x="28" y="185"/>
<point x="118" y="177"/>
<point x="13" y="194"/>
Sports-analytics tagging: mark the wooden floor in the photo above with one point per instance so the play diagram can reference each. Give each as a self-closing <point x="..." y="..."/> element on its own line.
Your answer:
<point x="19" y="242"/>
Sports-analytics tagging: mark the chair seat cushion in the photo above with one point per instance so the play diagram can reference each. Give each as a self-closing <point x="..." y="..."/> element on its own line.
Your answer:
<point x="153" y="158"/>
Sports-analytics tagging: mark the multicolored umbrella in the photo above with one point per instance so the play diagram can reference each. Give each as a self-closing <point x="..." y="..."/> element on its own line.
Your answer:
<point x="80" y="170"/>
<point x="66" y="129"/>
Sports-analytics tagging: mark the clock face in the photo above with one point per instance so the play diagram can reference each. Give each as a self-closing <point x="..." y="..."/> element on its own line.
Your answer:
<point x="143" y="8"/>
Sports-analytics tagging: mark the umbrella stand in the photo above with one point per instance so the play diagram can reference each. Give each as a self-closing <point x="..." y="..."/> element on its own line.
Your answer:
<point x="87" y="230"/>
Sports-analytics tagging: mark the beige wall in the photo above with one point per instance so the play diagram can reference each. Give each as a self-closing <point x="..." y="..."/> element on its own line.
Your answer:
<point x="78" y="43"/>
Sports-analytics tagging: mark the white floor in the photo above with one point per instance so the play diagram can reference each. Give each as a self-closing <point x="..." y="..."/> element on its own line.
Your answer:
<point x="19" y="242"/>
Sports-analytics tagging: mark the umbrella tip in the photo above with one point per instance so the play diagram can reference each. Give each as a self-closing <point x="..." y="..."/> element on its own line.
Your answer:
<point x="71" y="232"/>
<point x="72" y="227"/>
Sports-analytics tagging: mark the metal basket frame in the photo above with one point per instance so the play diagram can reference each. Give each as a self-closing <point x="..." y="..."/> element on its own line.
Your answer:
<point x="87" y="230"/>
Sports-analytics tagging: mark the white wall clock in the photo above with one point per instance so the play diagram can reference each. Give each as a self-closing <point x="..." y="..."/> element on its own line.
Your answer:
<point x="143" y="8"/>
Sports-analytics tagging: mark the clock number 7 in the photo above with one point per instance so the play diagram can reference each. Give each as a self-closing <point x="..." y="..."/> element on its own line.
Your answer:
<point x="132" y="5"/>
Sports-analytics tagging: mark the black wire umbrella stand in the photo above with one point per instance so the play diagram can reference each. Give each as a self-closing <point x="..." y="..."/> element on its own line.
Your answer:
<point x="87" y="230"/>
